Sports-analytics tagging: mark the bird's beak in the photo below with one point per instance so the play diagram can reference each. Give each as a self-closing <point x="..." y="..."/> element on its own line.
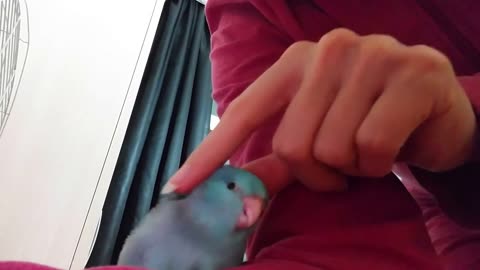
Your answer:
<point x="252" y="210"/>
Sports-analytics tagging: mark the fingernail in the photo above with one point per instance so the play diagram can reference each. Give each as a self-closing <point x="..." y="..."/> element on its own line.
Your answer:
<point x="175" y="182"/>
<point x="168" y="188"/>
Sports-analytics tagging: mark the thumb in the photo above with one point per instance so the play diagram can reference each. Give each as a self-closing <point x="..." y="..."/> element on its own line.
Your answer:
<point x="273" y="172"/>
<point x="318" y="177"/>
<point x="276" y="174"/>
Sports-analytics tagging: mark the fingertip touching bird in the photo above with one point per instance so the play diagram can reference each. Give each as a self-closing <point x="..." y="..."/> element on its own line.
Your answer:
<point x="204" y="230"/>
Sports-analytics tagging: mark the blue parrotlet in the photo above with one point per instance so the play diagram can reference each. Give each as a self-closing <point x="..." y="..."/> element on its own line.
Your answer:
<point x="204" y="230"/>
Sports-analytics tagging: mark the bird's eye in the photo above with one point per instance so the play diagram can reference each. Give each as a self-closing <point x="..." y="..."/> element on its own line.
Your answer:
<point x="231" y="185"/>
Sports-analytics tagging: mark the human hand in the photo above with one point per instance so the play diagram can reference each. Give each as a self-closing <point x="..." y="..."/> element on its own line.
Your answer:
<point x="354" y="104"/>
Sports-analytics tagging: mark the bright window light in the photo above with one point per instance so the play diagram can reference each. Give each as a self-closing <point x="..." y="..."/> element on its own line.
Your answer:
<point x="214" y="120"/>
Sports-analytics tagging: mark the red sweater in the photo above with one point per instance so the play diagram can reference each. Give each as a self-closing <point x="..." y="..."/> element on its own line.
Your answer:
<point x="376" y="224"/>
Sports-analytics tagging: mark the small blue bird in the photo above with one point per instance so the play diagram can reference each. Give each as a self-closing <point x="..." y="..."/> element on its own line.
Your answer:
<point x="205" y="230"/>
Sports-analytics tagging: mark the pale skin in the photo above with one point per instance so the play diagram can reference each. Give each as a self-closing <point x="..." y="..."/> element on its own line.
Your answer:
<point x="355" y="105"/>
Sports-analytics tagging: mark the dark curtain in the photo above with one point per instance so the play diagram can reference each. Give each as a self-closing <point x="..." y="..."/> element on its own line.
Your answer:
<point x="170" y="118"/>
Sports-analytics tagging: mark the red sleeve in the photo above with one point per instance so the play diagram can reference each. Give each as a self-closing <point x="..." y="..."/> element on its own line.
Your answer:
<point x="457" y="191"/>
<point x="244" y="43"/>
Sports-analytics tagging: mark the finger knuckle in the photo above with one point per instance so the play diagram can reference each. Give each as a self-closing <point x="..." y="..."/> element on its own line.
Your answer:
<point x="428" y="60"/>
<point x="375" y="144"/>
<point x="332" y="156"/>
<point x="290" y="152"/>
<point x="335" y="41"/>
<point x="338" y="37"/>
<point x="332" y="48"/>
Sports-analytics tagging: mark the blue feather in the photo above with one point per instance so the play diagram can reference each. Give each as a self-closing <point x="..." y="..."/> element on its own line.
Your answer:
<point x="197" y="231"/>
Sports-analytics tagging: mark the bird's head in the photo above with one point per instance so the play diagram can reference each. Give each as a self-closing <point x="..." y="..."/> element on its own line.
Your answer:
<point x="233" y="196"/>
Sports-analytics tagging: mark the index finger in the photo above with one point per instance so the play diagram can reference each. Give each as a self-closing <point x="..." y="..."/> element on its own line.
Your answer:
<point x="263" y="99"/>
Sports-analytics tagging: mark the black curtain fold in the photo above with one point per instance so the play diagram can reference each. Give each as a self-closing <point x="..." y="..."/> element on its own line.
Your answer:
<point x="171" y="116"/>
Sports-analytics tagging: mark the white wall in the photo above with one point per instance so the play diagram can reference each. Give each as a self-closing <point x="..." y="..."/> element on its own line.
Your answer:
<point x="84" y="65"/>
